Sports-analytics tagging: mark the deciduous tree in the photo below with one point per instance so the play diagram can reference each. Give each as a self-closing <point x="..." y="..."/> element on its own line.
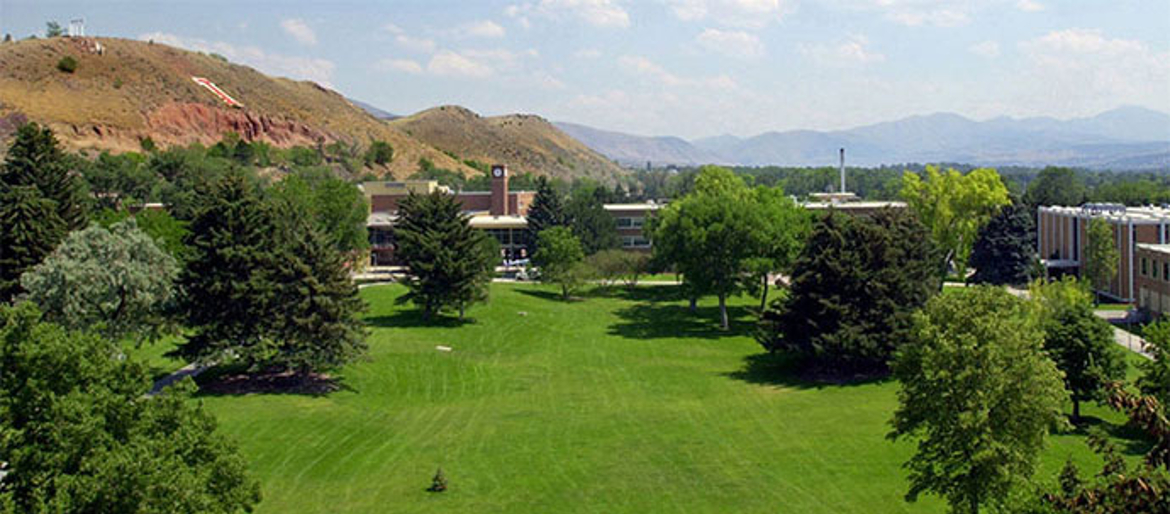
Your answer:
<point x="955" y="206"/>
<point x="978" y="396"/>
<point x="113" y="281"/>
<point x="1101" y="254"/>
<point x="559" y="257"/>
<point x="79" y="435"/>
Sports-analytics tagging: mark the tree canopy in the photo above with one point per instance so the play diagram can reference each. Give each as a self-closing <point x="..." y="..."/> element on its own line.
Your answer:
<point x="450" y="264"/>
<point x="1101" y="254"/>
<point x="547" y="211"/>
<point x="1005" y="251"/>
<point x="1056" y="186"/>
<point x="559" y="256"/>
<point x="114" y="281"/>
<point x="854" y="289"/>
<point x="954" y="206"/>
<point x="977" y="394"/>
<point x="79" y="436"/>
<point x="29" y="230"/>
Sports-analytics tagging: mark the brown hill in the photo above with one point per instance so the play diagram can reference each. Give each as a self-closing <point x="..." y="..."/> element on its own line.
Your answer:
<point x="526" y="143"/>
<point x="136" y="89"/>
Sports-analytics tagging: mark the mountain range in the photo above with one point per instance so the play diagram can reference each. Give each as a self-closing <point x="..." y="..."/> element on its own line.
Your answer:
<point x="1126" y="138"/>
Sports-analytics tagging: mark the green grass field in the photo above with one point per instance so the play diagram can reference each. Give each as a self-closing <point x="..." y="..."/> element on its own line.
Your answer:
<point x="622" y="403"/>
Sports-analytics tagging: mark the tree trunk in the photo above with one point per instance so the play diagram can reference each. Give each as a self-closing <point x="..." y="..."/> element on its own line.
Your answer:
<point x="764" y="297"/>
<point x="694" y="304"/>
<point x="565" y="293"/>
<point x="461" y="309"/>
<point x="723" y="311"/>
<point x="1076" y="410"/>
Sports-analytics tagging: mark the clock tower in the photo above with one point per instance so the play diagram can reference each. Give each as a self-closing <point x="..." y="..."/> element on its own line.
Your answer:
<point x="499" y="190"/>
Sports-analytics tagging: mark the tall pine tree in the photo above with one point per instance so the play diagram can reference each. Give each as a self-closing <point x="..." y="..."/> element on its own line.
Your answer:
<point x="547" y="211"/>
<point x="228" y="282"/>
<point x="29" y="230"/>
<point x="447" y="259"/>
<point x="315" y="313"/>
<point x="35" y="159"/>
<point x="1005" y="249"/>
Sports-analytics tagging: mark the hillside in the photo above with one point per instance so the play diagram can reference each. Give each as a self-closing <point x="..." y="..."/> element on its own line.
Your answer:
<point x="526" y="143"/>
<point x="138" y="89"/>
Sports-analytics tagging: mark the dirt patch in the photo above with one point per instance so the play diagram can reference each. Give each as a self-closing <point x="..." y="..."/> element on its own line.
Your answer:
<point x="285" y="382"/>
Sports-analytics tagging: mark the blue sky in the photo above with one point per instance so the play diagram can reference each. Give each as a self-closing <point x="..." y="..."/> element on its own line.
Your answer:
<point x="691" y="68"/>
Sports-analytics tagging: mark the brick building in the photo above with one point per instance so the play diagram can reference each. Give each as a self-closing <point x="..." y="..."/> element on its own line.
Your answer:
<point x="500" y="211"/>
<point x="1061" y="234"/>
<point x="1153" y="277"/>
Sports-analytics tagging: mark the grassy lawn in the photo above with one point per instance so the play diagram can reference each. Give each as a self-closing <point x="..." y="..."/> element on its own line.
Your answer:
<point x="622" y="403"/>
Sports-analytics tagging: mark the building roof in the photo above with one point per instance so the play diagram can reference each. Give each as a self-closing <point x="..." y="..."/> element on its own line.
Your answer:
<point x="381" y="219"/>
<point x="486" y="221"/>
<point x="1163" y="249"/>
<point x="853" y="205"/>
<point x="1146" y="215"/>
<point x="632" y="206"/>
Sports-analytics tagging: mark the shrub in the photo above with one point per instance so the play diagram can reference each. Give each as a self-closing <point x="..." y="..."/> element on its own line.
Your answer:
<point x="67" y="64"/>
<point x="379" y="152"/>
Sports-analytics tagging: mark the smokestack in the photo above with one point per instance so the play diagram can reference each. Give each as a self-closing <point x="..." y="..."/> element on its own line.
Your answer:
<point x="842" y="171"/>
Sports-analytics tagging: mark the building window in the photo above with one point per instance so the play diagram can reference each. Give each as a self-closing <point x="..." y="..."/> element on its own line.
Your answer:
<point x="1166" y="271"/>
<point x="635" y="242"/>
<point x="1155" y="270"/>
<point x="1145" y="268"/>
<point x="627" y="222"/>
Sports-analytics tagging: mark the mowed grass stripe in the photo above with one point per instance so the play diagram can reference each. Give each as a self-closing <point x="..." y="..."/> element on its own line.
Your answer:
<point x="621" y="402"/>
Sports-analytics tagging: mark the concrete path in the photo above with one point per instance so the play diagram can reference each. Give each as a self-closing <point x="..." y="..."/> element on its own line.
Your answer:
<point x="190" y="370"/>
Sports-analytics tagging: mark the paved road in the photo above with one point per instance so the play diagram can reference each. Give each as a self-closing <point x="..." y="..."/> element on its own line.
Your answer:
<point x="190" y="370"/>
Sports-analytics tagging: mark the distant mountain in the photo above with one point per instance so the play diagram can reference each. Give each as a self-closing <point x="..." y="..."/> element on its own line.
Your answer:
<point x="1127" y="138"/>
<point x="525" y="142"/>
<point x="636" y="151"/>
<point x="374" y="111"/>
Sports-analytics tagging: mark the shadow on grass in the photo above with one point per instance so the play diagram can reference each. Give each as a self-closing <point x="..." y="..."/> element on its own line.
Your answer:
<point x="783" y="370"/>
<point x="1136" y="441"/>
<point x="413" y="319"/>
<point x="670" y="320"/>
<point x="552" y="296"/>
<point x="235" y="380"/>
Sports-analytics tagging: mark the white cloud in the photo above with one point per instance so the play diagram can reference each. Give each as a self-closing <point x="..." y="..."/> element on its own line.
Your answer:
<point x="1029" y="6"/>
<point x="296" y="67"/>
<point x="393" y="29"/>
<point x="599" y="13"/>
<point x="482" y="28"/>
<point x="736" y="44"/>
<point x="853" y="51"/>
<point x="737" y="13"/>
<point x="402" y="65"/>
<point x="587" y="53"/>
<point x="988" y="49"/>
<point x="300" y="31"/>
<point x="1083" y="70"/>
<point x="448" y="63"/>
<point x="415" y="44"/>
<point x="645" y="67"/>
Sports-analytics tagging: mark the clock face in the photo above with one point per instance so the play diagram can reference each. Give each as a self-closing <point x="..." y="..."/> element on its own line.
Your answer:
<point x="498" y="172"/>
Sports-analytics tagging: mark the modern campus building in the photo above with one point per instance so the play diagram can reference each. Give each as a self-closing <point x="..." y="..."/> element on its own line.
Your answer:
<point x="501" y="212"/>
<point x="1139" y="233"/>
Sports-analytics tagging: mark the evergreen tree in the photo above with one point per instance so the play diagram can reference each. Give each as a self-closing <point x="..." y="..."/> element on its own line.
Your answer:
<point x="29" y="230"/>
<point x="547" y="211"/>
<point x="446" y="258"/>
<point x="855" y="287"/>
<point x="35" y="159"/>
<point x="228" y="281"/>
<point x="1101" y="254"/>
<point x="595" y="228"/>
<point x="80" y="437"/>
<point x="316" y="307"/>
<point x="1006" y="248"/>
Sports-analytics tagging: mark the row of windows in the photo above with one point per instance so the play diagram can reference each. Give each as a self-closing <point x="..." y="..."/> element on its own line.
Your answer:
<point x="630" y="222"/>
<point x="1152" y="267"/>
<point x="635" y="242"/>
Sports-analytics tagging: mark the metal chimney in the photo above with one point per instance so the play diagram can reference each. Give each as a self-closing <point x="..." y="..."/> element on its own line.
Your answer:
<point x="842" y="169"/>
